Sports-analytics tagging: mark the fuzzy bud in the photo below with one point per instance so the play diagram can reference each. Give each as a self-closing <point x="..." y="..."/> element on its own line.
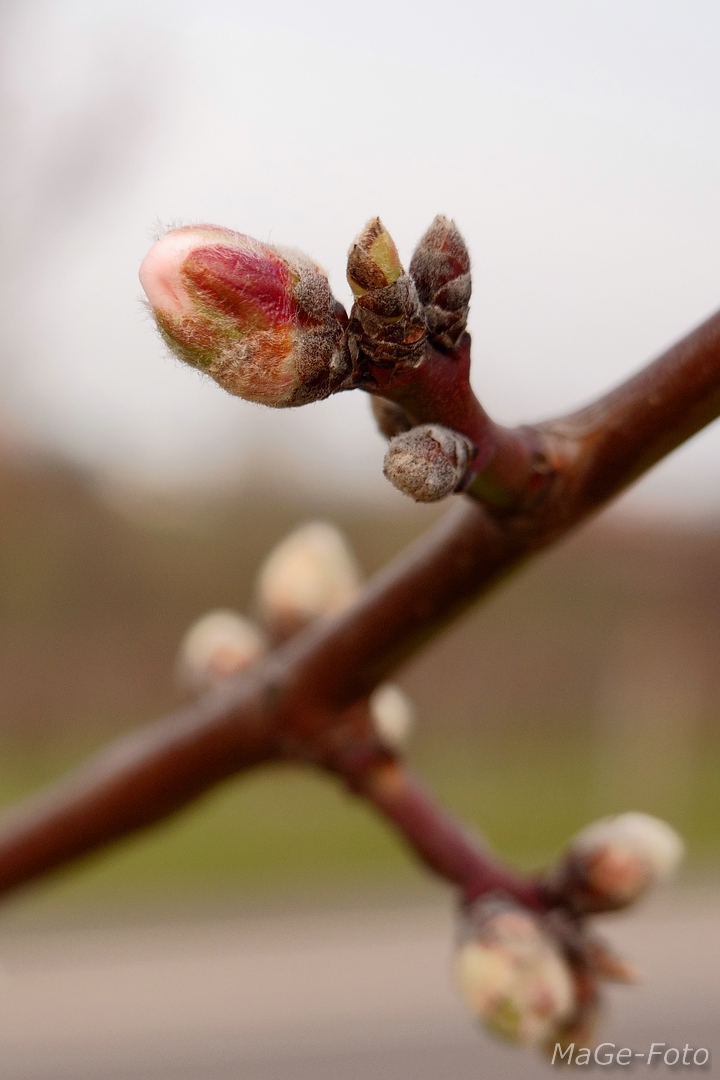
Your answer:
<point x="309" y="574"/>
<point x="512" y="974"/>
<point x="393" y="715"/>
<point x="612" y="862"/>
<point x="428" y="462"/>
<point x="218" y="645"/>
<point x="260" y="320"/>
<point x="386" y="323"/>
<point x="440" y="268"/>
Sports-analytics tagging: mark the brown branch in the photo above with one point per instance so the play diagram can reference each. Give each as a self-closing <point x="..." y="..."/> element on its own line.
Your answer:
<point x="297" y="693"/>
<point x="507" y="466"/>
<point x="351" y="750"/>
<point x="437" y="838"/>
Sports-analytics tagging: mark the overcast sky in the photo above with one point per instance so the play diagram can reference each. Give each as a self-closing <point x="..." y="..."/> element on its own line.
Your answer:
<point x="575" y="142"/>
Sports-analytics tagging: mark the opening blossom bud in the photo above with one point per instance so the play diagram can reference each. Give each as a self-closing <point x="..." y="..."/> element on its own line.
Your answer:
<point x="393" y="715"/>
<point x="428" y="462"/>
<point x="260" y="320"/>
<point x="309" y="574"/>
<point x="512" y="974"/>
<point x="440" y="268"/>
<point x="218" y="645"/>
<point x="387" y="322"/>
<point x="612" y="862"/>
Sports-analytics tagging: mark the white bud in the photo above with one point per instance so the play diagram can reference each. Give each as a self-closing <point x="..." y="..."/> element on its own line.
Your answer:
<point x="218" y="645"/>
<point x="393" y="715"/>
<point x="309" y="574"/>
<point x="513" y="976"/>
<point x="618" y="858"/>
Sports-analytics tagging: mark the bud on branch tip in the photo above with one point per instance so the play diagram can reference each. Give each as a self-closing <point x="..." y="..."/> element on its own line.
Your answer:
<point x="260" y="320"/>
<point x="387" y="324"/>
<point x="440" y="268"/>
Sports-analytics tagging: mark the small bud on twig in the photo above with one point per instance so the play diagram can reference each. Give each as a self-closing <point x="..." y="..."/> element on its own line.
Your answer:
<point x="392" y="714"/>
<point x="512" y="974"/>
<point x="428" y="462"/>
<point x="309" y="574"/>
<point x="218" y="645"/>
<point x="260" y="320"/>
<point x="389" y="417"/>
<point x="612" y="862"/>
<point x="440" y="268"/>
<point x="386" y="323"/>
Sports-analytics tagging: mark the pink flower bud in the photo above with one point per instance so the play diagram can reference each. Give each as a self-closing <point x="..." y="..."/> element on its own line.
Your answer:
<point x="428" y="462"/>
<point x="218" y="645"/>
<point x="512" y="974"/>
<point x="260" y="320"/>
<point x="612" y="862"/>
<point x="309" y="574"/>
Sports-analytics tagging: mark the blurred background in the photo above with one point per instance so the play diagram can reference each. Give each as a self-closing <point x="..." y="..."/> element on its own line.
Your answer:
<point x="577" y="146"/>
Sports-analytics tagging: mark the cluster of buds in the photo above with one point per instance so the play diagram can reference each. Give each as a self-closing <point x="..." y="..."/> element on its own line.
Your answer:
<point x="260" y="320"/>
<point x="394" y="311"/>
<point x="531" y="978"/>
<point x="512" y="974"/>
<point x="534" y="979"/>
<point x="612" y="862"/>
<point x="263" y="322"/>
<point x="311" y="574"/>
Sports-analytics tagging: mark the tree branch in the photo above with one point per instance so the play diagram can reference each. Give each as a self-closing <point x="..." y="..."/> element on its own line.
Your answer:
<point x="437" y="838"/>
<point x="296" y="694"/>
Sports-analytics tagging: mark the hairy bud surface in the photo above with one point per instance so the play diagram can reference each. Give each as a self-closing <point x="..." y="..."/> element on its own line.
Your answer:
<point x="386" y="323"/>
<point x="428" y="462"/>
<point x="440" y="268"/>
<point x="260" y="320"/>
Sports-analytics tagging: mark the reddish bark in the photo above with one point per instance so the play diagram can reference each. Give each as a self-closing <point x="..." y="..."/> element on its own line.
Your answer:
<point x="533" y="486"/>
